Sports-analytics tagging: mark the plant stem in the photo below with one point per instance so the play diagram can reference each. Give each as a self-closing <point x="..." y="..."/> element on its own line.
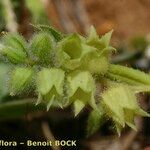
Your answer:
<point x="19" y="108"/>
<point x="128" y="74"/>
<point x="48" y="134"/>
<point x="119" y="78"/>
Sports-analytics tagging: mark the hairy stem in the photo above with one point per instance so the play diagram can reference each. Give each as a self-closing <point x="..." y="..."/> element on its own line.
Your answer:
<point x="129" y="75"/>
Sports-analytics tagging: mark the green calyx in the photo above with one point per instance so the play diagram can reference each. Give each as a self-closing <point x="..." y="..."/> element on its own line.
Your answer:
<point x="20" y="79"/>
<point x="120" y="104"/>
<point x="81" y="90"/>
<point x="14" y="48"/>
<point x="64" y="70"/>
<point x="41" y="48"/>
<point x="79" y="54"/>
<point x="50" y="85"/>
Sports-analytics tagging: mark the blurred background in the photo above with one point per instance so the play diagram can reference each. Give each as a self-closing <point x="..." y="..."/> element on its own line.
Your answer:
<point x="130" y="20"/>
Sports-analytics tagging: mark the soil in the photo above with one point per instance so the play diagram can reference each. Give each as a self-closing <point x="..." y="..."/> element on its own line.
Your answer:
<point x="128" y="18"/>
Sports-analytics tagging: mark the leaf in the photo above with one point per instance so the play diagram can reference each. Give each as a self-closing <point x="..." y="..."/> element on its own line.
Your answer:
<point x="14" y="48"/>
<point x="41" y="47"/>
<point x="50" y="83"/>
<point x="58" y="36"/>
<point x="20" y="79"/>
<point x="95" y="121"/>
<point x="37" y="11"/>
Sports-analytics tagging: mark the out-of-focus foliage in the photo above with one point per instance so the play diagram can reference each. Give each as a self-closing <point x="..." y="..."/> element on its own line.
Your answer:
<point x="139" y="43"/>
<point x="95" y="120"/>
<point x="37" y="10"/>
<point x="2" y="20"/>
<point x="12" y="12"/>
<point x="4" y="70"/>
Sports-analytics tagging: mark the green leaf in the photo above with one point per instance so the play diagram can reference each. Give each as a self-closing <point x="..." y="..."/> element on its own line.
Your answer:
<point x="20" y="79"/>
<point x="14" y="48"/>
<point x="50" y="83"/>
<point x="95" y="121"/>
<point x="41" y="48"/>
<point x="37" y="11"/>
<point x="139" y="43"/>
<point x="58" y="36"/>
